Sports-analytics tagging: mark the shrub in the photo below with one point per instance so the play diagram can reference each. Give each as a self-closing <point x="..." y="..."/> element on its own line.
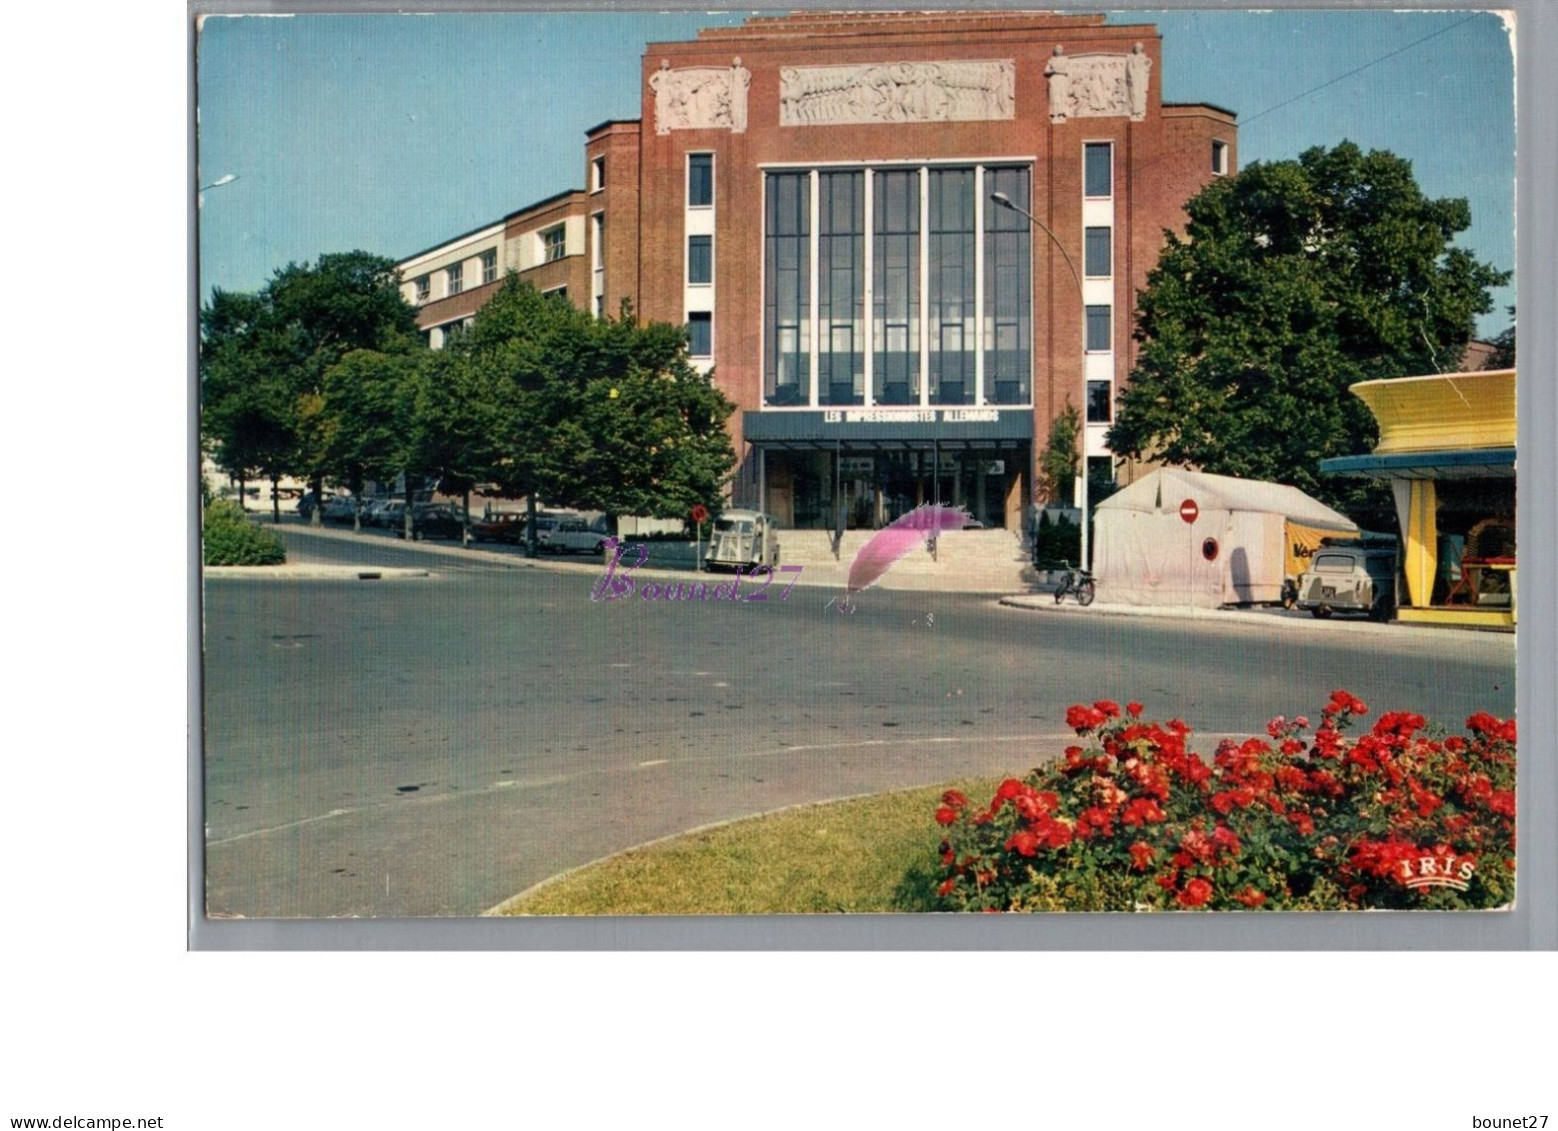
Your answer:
<point x="1055" y="542"/>
<point x="1400" y="817"/>
<point x="229" y="538"/>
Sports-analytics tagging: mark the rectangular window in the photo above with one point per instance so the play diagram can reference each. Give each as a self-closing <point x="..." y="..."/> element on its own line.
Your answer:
<point x="424" y="288"/>
<point x="1100" y="404"/>
<point x="1098" y="171"/>
<point x="557" y="293"/>
<point x="700" y="180"/>
<point x="456" y="278"/>
<point x="700" y="334"/>
<point x="1008" y="312"/>
<point x="950" y="304"/>
<point x="489" y="265"/>
<point x="1219" y="157"/>
<point x="895" y="254"/>
<point x="700" y="260"/>
<point x="1097" y="329"/>
<point x="554" y="243"/>
<point x="1098" y="254"/>
<point x="597" y="174"/>
<point x="841" y="245"/>
<point x="787" y="289"/>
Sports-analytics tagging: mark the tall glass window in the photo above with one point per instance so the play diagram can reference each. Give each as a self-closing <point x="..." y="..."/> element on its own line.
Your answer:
<point x="1097" y="254"/>
<point x="1098" y="329"/>
<point x="1008" y="315"/>
<point x="700" y="180"/>
<point x="787" y="297"/>
<point x="951" y="300"/>
<point x="841" y="222"/>
<point x="1100" y="405"/>
<point x="1098" y="169"/>
<point x="700" y="259"/>
<point x="895" y="253"/>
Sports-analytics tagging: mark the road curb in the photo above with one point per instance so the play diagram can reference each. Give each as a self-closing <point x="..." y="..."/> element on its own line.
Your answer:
<point x="315" y="573"/>
<point x="1045" y="603"/>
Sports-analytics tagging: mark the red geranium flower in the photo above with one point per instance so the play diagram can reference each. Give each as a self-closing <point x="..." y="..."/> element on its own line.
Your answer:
<point x="1195" y="894"/>
<point x="1251" y="898"/>
<point x="1108" y="708"/>
<point x="1133" y="709"/>
<point x="1025" y="842"/>
<point x="946" y="815"/>
<point x="1142" y="855"/>
<point x="954" y="798"/>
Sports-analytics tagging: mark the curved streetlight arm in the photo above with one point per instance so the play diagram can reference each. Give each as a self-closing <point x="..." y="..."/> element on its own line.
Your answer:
<point x="1005" y="202"/>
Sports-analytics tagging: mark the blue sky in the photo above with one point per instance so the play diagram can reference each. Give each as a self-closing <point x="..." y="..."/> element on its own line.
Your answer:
<point x="392" y="133"/>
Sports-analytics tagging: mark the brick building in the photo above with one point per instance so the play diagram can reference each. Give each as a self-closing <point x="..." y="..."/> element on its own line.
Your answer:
<point x="822" y="200"/>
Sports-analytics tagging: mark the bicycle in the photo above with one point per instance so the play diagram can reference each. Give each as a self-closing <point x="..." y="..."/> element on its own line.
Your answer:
<point x="1078" y="581"/>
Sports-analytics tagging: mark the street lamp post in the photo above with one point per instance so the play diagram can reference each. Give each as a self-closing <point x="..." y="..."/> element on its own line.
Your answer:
<point x="1006" y="202"/>
<point x="224" y="179"/>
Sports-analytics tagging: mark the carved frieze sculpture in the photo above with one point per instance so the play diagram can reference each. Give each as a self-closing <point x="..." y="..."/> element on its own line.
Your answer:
<point x="700" y="98"/>
<point x="897" y="92"/>
<point x="1098" y="86"/>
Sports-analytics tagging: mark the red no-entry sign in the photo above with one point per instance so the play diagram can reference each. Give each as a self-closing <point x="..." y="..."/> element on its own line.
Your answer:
<point x="1188" y="510"/>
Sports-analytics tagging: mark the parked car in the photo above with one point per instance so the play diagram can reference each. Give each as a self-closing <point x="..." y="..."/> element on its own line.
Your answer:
<point x="338" y="508"/>
<point x="505" y="526"/>
<point x="1357" y="578"/>
<point x="435" y="520"/>
<point x="571" y="536"/>
<point x="306" y="504"/>
<point x="389" y="513"/>
<point x="743" y="538"/>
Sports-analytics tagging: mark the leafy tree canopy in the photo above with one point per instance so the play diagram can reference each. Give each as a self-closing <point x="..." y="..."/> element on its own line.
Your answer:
<point x="1294" y="280"/>
<point x="264" y="359"/>
<point x="598" y="414"/>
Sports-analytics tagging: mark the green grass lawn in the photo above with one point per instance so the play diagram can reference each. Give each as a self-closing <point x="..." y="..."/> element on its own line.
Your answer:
<point x="871" y="854"/>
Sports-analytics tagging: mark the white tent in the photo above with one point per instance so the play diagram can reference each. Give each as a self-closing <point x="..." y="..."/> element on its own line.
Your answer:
<point x="1246" y="536"/>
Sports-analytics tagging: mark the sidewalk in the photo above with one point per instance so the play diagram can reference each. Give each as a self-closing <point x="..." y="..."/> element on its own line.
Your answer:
<point x="1269" y="619"/>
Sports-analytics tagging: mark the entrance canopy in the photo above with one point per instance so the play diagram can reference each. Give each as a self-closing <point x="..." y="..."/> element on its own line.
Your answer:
<point x="888" y="427"/>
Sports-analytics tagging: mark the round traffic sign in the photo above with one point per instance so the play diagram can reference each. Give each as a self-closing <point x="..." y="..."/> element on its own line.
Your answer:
<point x="1188" y="510"/>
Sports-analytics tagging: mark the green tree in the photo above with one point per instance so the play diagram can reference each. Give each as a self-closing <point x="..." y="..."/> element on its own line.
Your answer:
<point x="372" y="404"/>
<point x="264" y="358"/>
<point x="599" y="414"/>
<point x="1058" y="460"/>
<point x="1294" y="280"/>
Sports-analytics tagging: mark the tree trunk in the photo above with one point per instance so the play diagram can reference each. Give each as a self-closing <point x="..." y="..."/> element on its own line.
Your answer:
<point x="530" y="524"/>
<point x="407" y="526"/>
<point x="243" y="486"/>
<point x="357" y="511"/>
<point x="465" y="520"/>
<point x="317" y="485"/>
<point x="275" y="499"/>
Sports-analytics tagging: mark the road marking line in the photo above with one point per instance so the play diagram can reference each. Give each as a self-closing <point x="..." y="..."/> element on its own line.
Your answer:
<point x="655" y="762"/>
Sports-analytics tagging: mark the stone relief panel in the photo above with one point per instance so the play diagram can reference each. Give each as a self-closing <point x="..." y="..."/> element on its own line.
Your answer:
<point x="897" y="92"/>
<point x="1098" y="86"/>
<point x="700" y="98"/>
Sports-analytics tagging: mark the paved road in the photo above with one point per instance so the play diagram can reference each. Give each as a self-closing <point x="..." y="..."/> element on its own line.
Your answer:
<point x="430" y="747"/>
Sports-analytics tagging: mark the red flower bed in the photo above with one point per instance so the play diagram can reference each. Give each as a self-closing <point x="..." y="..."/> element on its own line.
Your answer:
<point x="1401" y="816"/>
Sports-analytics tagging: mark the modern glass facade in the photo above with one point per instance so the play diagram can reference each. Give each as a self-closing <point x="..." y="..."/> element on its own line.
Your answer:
<point x="909" y="241"/>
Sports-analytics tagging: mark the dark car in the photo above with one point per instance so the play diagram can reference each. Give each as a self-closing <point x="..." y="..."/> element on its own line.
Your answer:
<point x="436" y="520"/>
<point x="507" y="526"/>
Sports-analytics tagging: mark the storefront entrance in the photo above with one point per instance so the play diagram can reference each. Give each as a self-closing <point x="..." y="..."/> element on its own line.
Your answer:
<point x="856" y="487"/>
